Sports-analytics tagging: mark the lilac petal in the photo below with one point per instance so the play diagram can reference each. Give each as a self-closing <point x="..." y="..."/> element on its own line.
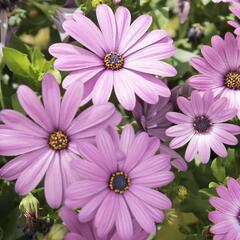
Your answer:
<point x="136" y="153"/>
<point x="204" y="149"/>
<point x="90" y="208"/>
<point x="201" y="65"/>
<point x="197" y="103"/>
<point x="145" y="89"/>
<point x="107" y="150"/>
<point x="88" y="151"/>
<point x="151" y="166"/>
<point x="62" y="50"/>
<point x="180" y="141"/>
<point x="70" y="104"/>
<point x="107" y="24"/>
<point x="217" y="107"/>
<point x="86" y="32"/>
<point x="180" y="130"/>
<point x="12" y="169"/>
<point x="18" y="121"/>
<point x="222" y="227"/>
<point x="156" y="180"/>
<point x="107" y="214"/>
<point x="51" y="98"/>
<point x="127" y="138"/>
<point x="154" y="67"/>
<point x="155" y="52"/>
<point x="179" y="164"/>
<point x="217" y="216"/>
<point x="124" y="91"/>
<point x="82" y="190"/>
<point x="13" y="142"/>
<point x="70" y="218"/>
<point x="192" y="148"/>
<point x="224" y="206"/>
<point x="74" y="236"/>
<point x="123" y="21"/>
<point x="151" y="197"/>
<point x="68" y="175"/>
<point x="178" y="118"/>
<point x="234" y="190"/>
<point x="33" y="107"/>
<point x="233" y="129"/>
<point x="140" y="213"/>
<point x="93" y="119"/>
<point x="153" y="147"/>
<point x="83" y="75"/>
<point x="33" y="174"/>
<point x="103" y="84"/>
<point x="137" y="29"/>
<point x="156" y="214"/>
<point x="74" y="63"/>
<point x="147" y="40"/>
<point x="185" y="106"/>
<point x="225" y="115"/>
<point x="89" y="170"/>
<point x="124" y="224"/>
<point x="223" y="193"/>
<point x="225" y="136"/>
<point x="53" y="187"/>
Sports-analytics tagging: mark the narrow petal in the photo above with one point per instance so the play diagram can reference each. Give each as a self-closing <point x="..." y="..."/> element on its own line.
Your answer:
<point x="124" y="224"/>
<point x="192" y="148"/>
<point x="140" y="213"/>
<point x="33" y="107"/>
<point x="127" y="138"/>
<point x="51" y="98"/>
<point x="33" y="174"/>
<point x="70" y="104"/>
<point x="53" y="186"/>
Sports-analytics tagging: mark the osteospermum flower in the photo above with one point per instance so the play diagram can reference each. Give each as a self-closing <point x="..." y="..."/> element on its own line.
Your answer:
<point x="118" y="181"/>
<point x="219" y="69"/>
<point x="202" y="124"/>
<point x="118" y="55"/>
<point x="226" y="216"/>
<point x="151" y="117"/>
<point x="83" y="231"/>
<point x="45" y="143"/>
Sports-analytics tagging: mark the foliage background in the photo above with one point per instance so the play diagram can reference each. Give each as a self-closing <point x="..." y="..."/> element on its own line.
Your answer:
<point x="26" y="59"/>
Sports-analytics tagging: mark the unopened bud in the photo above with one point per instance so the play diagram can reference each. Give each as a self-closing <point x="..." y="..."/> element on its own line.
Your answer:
<point x="57" y="232"/>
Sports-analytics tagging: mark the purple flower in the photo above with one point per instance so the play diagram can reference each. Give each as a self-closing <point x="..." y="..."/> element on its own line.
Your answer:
<point x="151" y="117"/>
<point x="62" y="14"/>
<point x="118" y="55"/>
<point x="83" y="231"/>
<point x="117" y="183"/>
<point x="46" y="143"/>
<point x="226" y="217"/>
<point x="184" y="9"/>
<point x="219" y="69"/>
<point x="202" y="125"/>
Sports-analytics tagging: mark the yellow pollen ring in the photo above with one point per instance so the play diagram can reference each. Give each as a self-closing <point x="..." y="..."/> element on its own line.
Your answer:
<point x="232" y="80"/>
<point x="112" y="182"/>
<point x="58" y="140"/>
<point x="113" y="61"/>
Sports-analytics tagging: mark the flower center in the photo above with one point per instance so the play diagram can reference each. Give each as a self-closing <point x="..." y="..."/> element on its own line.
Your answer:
<point x="119" y="182"/>
<point x="232" y="80"/>
<point x="58" y="140"/>
<point x="201" y="124"/>
<point x="113" y="61"/>
<point x="8" y="4"/>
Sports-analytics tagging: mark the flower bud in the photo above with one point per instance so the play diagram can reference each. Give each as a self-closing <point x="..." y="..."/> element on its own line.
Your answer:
<point x="57" y="232"/>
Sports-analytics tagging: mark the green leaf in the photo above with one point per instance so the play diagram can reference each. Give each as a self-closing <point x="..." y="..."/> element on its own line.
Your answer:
<point x="218" y="169"/>
<point x="17" y="62"/>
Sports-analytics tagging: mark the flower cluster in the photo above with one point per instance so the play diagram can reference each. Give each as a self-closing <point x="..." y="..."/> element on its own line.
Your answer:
<point x="108" y="172"/>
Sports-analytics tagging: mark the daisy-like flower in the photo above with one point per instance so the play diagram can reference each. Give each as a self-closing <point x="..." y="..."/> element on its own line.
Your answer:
<point x="151" y="117"/>
<point x="227" y="214"/>
<point x="118" y="55"/>
<point x="235" y="9"/>
<point x="45" y="143"/>
<point x="87" y="231"/>
<point x="117" y="183"/>
<point x="219" y="69"/>
<point x="202" y="124"/>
